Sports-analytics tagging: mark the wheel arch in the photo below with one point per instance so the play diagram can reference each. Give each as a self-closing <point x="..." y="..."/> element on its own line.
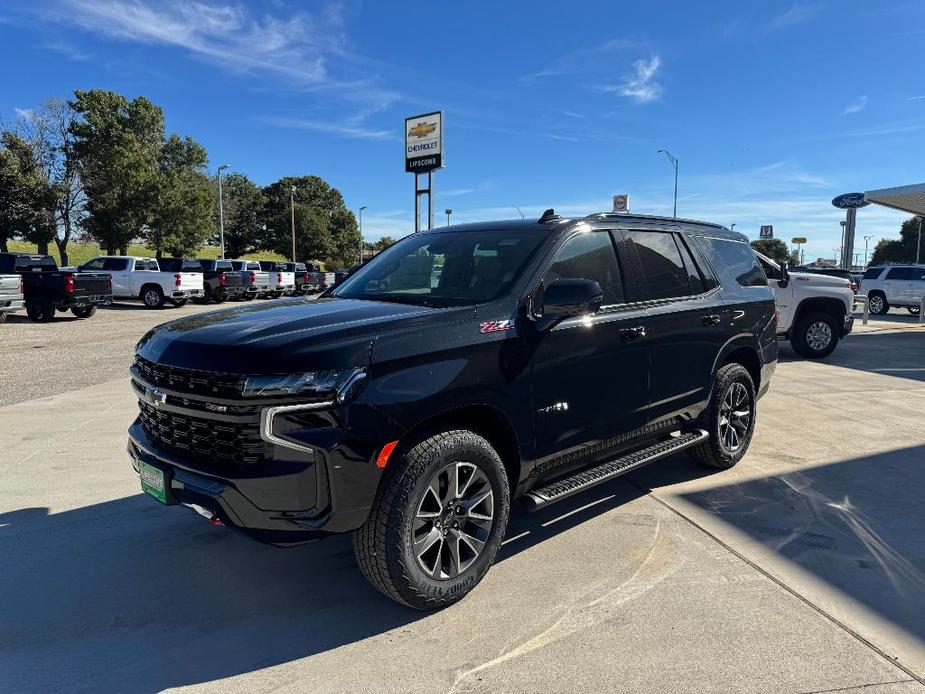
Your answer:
<point x="745" y="354"/>
<point x="146" y="285"/>
<point x="822" y="304"/>
<point x="482" y="419"/>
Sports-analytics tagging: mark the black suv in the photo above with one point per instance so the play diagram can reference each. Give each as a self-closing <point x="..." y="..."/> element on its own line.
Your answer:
<point x="461" y="368"/>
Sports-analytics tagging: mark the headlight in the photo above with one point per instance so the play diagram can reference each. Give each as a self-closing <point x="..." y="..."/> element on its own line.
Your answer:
<point x="309" y="383"/>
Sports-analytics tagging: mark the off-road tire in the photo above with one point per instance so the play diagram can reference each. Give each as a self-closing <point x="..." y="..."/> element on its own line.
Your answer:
<point x="383" y="544"/>
<point x="3" y="317"/>
<point x="712" y="452"/>
<point x="84" y="311"/>
<point x="883" y="307"/>
<point x="152" y="296"/>
<point x="800" y="339"/>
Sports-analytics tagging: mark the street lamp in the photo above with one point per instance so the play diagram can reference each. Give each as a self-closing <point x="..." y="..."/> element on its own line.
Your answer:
<point x="221" y="212"/>
<point x="674" y="162"/>
<point x="918" y="243"/>
<point x="866" y="239"/>
<point x="292" y="209"/>
<point x="361" y="233"/>
<point x="448" y="212"/>
<point x="844" y="228"/>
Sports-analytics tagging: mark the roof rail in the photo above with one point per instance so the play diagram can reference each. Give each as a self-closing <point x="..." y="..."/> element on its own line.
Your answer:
<point x="679" y="220"/>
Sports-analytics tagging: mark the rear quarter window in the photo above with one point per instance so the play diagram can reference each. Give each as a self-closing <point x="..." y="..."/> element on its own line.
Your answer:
<point x="872" y="273"/>
<point x="733" y="261"/>
<point x="899" y="273"/>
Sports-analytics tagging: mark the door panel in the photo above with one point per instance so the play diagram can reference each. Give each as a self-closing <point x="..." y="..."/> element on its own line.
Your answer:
<point x="590" y="381"/>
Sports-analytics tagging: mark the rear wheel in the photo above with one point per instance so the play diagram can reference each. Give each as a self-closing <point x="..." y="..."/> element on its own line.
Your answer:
<point x="152" y="296"/>
<point x="729" y="419"/>
<point x="219" y="296"/>
<point x="179" y="303"/>
<point x="815" y="335"/>
<point x="84" y="311"/>
<point x="34" y="310"/>
<point x="877" y="303"/>
<point x="206" y="296"/>
<point x="437" y="521"/>
<point x="2" y="316"/>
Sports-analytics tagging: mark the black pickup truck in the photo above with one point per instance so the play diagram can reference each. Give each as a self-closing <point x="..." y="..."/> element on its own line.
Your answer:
<point x="47" y="289"/>
<point x="219" y="280"/>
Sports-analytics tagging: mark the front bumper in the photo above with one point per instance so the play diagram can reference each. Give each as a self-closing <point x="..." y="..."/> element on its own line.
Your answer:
<point x="847" y="325"/>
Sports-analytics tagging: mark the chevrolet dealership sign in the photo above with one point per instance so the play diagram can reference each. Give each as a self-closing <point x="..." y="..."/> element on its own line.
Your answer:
<point x="424" y="142"/>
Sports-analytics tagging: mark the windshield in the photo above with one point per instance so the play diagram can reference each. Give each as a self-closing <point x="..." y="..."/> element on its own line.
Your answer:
<point x="456" y="268"/>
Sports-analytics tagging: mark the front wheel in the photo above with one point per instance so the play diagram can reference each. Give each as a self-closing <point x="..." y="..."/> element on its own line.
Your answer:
<point x="729" y="419"/>
<point x="815" y="336"/>
<point x="84" y="311"/>
<point x="437" y="521"/>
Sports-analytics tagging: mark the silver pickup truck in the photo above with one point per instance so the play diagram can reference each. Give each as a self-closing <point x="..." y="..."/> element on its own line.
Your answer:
<point x="10" y="295"/>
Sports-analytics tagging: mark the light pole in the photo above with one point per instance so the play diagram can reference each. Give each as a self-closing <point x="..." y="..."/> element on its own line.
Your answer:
<point x="361" y="233"/>
<point x="292" y="209"/>
<point x="674" y="162"/>
<point x="918" y="244"/>
<point x="866" y="239"/>
<point x="221" y="212"/>
<point x="837" y="253"/>
<point x="844" y="228"/>
<point x="448" y="212"/>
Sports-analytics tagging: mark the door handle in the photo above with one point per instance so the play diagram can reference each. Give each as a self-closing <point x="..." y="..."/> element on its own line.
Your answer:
<point x="635" y="333"/>
<point x="711" y="320"/>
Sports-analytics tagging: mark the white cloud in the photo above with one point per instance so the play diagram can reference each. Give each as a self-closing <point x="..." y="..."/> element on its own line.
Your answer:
<point x="23" y="113"/>
<point x="798" y="13"/>
<point x="641" y="86"/>
<point x="349" y="129"/>
<point x="858" y="104"/>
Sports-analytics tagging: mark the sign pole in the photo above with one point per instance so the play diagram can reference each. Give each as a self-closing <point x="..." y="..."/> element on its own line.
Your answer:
<point x="417" y="215"/>
<point x="424" y="154"/>
<point x="430" y="200"/>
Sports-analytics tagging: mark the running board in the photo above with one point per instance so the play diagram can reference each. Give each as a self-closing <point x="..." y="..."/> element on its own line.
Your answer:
<point x="567" y="486"/>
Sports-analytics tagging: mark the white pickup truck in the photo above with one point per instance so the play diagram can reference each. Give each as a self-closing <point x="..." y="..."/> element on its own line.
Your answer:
<point x="141" y="278"/>
<point x="813" y="311"/>
<point x="281" y="280"/>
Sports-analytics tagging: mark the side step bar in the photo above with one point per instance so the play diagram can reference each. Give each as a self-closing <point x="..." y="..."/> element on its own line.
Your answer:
<point x="585" y="479"/>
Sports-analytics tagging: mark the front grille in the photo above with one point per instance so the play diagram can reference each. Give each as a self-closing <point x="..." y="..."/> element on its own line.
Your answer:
<point x="190" y="380"/>
<point x="205" y="441"/>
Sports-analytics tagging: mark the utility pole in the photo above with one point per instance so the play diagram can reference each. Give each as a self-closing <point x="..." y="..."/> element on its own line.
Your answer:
<point x="361" y="233"/>
<point x="448" y="212"/>
<point x="866" y="239"/>
<point x="674" y="162"/>
<point x="221" y="212"/>
<point x="292" y="209"/>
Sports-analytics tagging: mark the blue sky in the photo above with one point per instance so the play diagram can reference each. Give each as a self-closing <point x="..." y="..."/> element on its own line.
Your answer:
<point x="772" y="107"/>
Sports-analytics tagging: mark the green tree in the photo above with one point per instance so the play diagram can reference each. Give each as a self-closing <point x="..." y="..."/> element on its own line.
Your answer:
<point x="118" y="145"/>
<point x="182" y="219"/>
<point x="903" y="249"/>
<point x="775" y="249"/>
<point x="25" y="196"/>
<point x="325" y="228"/>
<point x="242" y="210"/>
<point x="380" y="245"/>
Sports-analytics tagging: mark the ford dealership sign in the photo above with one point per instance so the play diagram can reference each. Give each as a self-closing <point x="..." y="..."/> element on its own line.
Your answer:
<point x="850" y="201"/>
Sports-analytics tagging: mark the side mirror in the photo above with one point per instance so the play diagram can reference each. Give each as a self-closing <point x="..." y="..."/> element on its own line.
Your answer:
<point x="568" y="297"/>
<point x="784" y="274"/>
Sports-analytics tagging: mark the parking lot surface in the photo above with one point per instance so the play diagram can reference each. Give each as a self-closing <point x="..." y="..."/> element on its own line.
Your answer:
<point x="800" y="570"/>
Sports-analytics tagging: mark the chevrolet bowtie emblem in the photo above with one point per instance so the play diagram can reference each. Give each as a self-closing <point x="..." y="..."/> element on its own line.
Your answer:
<point x="422" y="129"/>
<point x="157" y="397"/>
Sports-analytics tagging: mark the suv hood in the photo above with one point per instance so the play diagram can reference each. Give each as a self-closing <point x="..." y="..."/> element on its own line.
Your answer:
<point x="285" y="336"/>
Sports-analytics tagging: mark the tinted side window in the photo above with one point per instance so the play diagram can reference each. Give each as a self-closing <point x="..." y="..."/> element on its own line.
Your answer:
<point x="95" y="264"/>
<point x="116" y="264"/>
<point x="735" y="261"/>
<point x="873" y="273"/>
<point x="590" y="256"/>
<point x="917" y="274"/>
<point x="899" y="273"/>
<point x="694" y="277"/>
<point x="664" y="272"/>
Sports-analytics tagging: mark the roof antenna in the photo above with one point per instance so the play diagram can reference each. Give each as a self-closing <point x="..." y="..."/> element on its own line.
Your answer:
<point x="519" y="210"/>
<point x="548" y="216"/>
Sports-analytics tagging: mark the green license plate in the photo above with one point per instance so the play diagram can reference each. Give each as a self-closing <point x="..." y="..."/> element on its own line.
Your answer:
<point x="153" y="481"/>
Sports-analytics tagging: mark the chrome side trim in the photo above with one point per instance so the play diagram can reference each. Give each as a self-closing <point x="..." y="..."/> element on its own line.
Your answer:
<point x="266" y="422"/>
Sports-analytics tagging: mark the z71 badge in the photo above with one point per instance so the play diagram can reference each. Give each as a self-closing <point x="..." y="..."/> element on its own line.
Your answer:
<point x="496" y="326"/>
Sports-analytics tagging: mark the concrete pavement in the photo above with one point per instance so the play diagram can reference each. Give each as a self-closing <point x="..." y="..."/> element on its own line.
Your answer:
<point x="801" y="570"/>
